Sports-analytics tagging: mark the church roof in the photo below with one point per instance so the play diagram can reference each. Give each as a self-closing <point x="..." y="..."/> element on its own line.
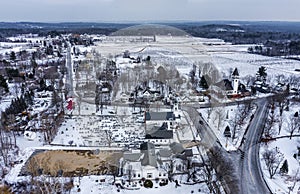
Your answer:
<point x="225" y="84"/>
<point x="132" y="156"/>
<point x="235" y="72"/>
<point x="149" y="158"/>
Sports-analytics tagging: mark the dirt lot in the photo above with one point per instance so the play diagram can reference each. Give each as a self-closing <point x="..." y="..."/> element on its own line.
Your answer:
<point x="72" y="163"/>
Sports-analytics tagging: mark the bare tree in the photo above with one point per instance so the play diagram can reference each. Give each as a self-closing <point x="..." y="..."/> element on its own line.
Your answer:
<point x="219" y="116"/>
<point x="280" y="122"/>
<point x="224" y="169"/>
<point x="79" y="101"/>
<point x="249" y="80"/>
<point x="123" y="80"/>
<point x="109" y="137"/>
<point x="273" y="159"/>
<point x="293" y="124"/>
<point x="280" y="78"/>
<point x="295" y="179"/>
<point x="243" y="112"/>
<point x="162" y="74"/>
<point x="270" y="122"/>
<point x="6" y="145"/>
<point x="234" y="123"/>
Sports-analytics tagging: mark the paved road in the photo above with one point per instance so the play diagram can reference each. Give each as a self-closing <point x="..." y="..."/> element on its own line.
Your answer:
<point x="208" y="138"/>
<point x="250" y="169"/>
<point x="70" y="73"/>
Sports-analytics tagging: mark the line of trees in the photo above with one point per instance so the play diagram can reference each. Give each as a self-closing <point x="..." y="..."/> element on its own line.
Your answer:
<point x="277" y="48"/>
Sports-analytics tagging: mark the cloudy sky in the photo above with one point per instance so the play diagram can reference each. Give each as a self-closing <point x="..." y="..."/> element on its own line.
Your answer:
<point x="148" y="10"/>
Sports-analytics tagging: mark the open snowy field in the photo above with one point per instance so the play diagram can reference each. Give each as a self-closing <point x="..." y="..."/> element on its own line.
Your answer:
<point x="185" y="51"/>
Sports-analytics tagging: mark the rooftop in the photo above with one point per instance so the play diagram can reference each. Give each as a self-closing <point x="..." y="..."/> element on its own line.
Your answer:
<point x="159" y="116"/>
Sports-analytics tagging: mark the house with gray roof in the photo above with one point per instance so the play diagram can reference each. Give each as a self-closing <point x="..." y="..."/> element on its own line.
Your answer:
<point x="149" y="157"/>
<point x="159" y="135"/>
<point x="142" y="163"/>
<point x="158" y="118"/>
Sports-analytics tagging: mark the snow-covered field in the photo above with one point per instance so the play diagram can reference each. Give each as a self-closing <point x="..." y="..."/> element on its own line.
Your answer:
<point x="184" y="51"/>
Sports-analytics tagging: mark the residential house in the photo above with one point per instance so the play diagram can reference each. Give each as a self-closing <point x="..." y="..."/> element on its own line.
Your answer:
<point x="159" y="118"/>
<point x="154" y="163"/>
<point x="159" y="135"/>
<point x="142" y="164"/>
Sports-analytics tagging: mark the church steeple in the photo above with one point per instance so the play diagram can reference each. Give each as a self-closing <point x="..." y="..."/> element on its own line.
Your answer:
<point x="235" y="79"/>
<point x="235" y="73"/>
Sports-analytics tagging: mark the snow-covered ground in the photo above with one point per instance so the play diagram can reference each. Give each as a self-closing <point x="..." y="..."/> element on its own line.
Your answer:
<point x="228" y="116"/>
<point x="89" y="128"/>
<point x="91" y="184"/>
<point x="189" y="50"/>
<point x="280" y="183"/>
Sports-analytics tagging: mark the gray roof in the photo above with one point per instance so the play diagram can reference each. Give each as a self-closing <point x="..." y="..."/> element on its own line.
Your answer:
<point x="146" y="146"/>
<point x="159" y="132"/>
<point x="149" y="158"/>
<point x="188" y="153"/>
<point x="176" y="148"/>
<point x="224" y="84"/>
<point x="159" y="116"/>
<point x="132" y="156"/>
<point x="165" y="152"/>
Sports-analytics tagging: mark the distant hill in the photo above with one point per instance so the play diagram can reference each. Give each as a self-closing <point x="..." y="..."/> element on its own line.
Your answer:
<point x="150" y="30"/>
<point x="236" y="32"/>
<point x="14" y="28"/>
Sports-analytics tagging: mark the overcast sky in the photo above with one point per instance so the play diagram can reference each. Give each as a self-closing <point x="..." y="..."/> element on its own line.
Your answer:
<point x="148" y="10"/>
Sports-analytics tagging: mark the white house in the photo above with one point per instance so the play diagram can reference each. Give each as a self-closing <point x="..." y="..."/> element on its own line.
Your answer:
<point x="142" y="164"/>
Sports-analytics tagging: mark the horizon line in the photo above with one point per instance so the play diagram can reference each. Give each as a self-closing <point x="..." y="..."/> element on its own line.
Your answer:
<point x="150" y="21"/>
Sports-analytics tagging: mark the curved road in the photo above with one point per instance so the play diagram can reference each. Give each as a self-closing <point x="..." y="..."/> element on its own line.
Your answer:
<point x="247" y="160"/>
<point x="252" y="180"/>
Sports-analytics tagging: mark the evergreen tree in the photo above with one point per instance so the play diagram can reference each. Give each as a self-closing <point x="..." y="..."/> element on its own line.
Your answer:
<point x="262" y="74"/>
<point x="203" y="83"/>
<point x="227" y="132"/>
<point x="285" y="168"/>
<point x="3" y="83"/>
<point x="42" y="84"/>
<point x="12" y="56"/>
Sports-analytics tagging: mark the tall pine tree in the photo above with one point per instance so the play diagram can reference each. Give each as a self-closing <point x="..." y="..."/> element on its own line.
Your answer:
<point x="285" y="168"/>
